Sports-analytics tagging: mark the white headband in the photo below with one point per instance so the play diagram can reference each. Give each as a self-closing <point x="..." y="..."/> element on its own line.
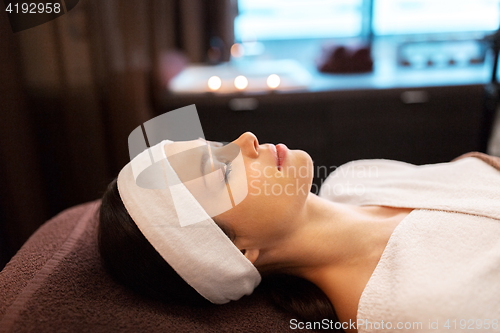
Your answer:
<point x="199" y="252"/>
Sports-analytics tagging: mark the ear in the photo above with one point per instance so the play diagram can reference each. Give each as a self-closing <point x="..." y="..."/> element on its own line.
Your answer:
<point x="251" y="254"/>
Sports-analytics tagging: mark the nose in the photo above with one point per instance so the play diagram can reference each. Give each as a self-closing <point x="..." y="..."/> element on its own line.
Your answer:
<point x="248" y="144"/>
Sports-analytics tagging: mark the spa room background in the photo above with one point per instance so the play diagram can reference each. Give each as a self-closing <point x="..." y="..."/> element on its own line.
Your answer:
<point x="72" y="90"/>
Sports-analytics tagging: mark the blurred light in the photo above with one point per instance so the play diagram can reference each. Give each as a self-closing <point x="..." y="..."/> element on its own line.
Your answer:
<point x="214" y="83"/>
<point x="240" y="82"/>
<point x="237" y="50"/>
<point x="273" y="81"/>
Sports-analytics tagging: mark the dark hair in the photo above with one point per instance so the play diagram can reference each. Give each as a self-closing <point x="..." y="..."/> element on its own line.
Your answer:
<point x="131" y="260"/>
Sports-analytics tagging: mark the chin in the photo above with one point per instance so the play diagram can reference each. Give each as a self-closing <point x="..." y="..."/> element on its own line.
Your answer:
<point x="307" y="160"/>
<point x="304" y="160"/>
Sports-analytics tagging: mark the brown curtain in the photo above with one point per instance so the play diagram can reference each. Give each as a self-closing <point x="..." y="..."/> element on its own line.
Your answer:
<point x="77" y="86"/>
<point x="131" y="37"/>
<point x="22" y="200"/>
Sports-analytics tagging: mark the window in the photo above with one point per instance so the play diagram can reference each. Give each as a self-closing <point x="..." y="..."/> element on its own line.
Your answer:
<point x="265" y="20"/>
<point x="297" y="19"/>
<point x="396" y="17"/>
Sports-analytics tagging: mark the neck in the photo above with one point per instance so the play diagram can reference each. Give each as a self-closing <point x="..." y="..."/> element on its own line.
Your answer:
<point x="336" y="246"/>
<point x="327" y="234"/>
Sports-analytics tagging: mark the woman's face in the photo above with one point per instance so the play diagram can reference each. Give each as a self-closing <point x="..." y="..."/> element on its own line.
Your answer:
<point x="279" y="181"/>
<point x="253" y="190"/>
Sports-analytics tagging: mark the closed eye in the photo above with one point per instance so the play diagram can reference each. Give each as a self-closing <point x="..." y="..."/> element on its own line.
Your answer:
<point x="225" y="171"/>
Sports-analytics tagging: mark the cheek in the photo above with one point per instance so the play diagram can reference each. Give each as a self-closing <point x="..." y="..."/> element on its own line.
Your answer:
<point x="292" y="184"/>
<point x="259" y="178"/>
<point x="263" y="216"/>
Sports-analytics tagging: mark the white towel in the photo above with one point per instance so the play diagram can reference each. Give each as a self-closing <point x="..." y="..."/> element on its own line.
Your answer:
<point x="440" y="270"/>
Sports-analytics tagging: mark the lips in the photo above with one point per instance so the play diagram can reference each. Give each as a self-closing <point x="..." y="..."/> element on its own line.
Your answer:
<point x="281" y="151"/>
<point x="272" y="149"/>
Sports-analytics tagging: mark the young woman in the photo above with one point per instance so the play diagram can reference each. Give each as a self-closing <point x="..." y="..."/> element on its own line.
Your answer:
<point x="317" y="253"/>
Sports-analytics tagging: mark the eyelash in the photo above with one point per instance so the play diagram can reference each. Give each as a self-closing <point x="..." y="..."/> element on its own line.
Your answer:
<point x="227" y="171"/>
